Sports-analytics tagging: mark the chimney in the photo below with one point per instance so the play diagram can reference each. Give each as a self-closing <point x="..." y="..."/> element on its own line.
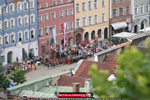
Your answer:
<point x="76" y="87"/>
<point x="88" y="86"/>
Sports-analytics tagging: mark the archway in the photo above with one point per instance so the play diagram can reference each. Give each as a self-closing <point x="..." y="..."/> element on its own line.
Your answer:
<point x="86" y="36"/>
<point x="144" y="24"/>
<point x="105" y="33"/>
<point x="70" y="42"/>
<point x="78" y="38"/>
<point x="24" y="54"/>
<point x="99" y="33"/>
<point x="92" y="35"/>
<point x="9" y="57"/>
<point x="135" y="29"/>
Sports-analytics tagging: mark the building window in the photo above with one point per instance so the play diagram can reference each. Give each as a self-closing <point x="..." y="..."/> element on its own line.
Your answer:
<point x="26" y="34"/>
<point x="5" y="9"/>
<point x="1" y="41"/>
<point x="93" y="35"/>
<point x="25" y="5"/>
<point x="43" y="49"/>
<point x="61" y="1"/>
<point x="67" y="26"/>
<point x="32" y="34"/>
<point x="12" y="23"/>
<point x="19" y="6"/>
<point x="26" y="21"/>
<point x="6" y="24"/>
<point x="71" y="11"/>
<point x="60" y="29"/>
<point x="90" y="20"/>
<point x="53" y="15"/>
<point x="142" y="9"/>
<point x="0" y="10"/>
<point x="95" y="4"/>
<point x="19" y="36"/>
<point x="147" y="8"/>
<point x="32" y="4"/>
<point x="46" y="5"/>
<point x="127" y="10"/>
<point x="32" y="19"/>
<point x="83" y="6"/>
<point x="11" y="8"/>
<point x="20" y="21"/>
<point x="114" y="13"/>
<point x="71" y="25"/>
<point x="54" y="2"/>
<point x="40" y="18"/>
<point x="66" y="12"/>
<point x="136" y="11"/>
<point x="0" y="25"/>
<point x="78" y="23"/>
<point x="46" y="31"/>
<point x="120" y="11"/>
<point x="103" y="17"/>
<point x="84" y="21"/>
<point x="6" y="40"/>
<point x="90" y="5"/>
<point x="99" y="33"/>
<point x="46" y="17"/>
<point x="77" y="8"/>
<point x="39" y="6"/>
<point x="103" y="3"/>
<point x="61" y="14"/>
<point x="96" y="19"/>
<point x="40" y="32"/>
<point x="12" y="38"/>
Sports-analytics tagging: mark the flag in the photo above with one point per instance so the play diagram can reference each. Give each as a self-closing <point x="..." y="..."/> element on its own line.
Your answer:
<point x="53" y="31"/>
<point x="63" y="27"/>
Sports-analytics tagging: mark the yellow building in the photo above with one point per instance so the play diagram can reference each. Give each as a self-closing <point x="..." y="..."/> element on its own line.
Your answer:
<point x="91" y="19"/>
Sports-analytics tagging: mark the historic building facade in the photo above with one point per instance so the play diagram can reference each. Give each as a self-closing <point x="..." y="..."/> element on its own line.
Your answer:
<point x="120" y="16"/>
<point x="53" y="13"/>
<point x="18" y="30"/>
<point x="141" y="14"/>
<point x="91" y="19"/>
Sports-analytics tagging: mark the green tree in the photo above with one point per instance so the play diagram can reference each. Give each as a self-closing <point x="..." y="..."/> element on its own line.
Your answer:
<point x="4" y="82"/>
<point x="18" y="76"/>
<point x="132" y="81"/>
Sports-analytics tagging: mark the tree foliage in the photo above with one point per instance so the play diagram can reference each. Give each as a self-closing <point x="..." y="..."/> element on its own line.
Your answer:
<point x="132" y="81"/>
<point x="4" y="82"/>
<point x="18" y="76"/>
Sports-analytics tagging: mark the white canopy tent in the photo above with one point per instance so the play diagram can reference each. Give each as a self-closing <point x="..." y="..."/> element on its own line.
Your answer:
<point x="119" y="25"/>
<point x="124" y="35"/>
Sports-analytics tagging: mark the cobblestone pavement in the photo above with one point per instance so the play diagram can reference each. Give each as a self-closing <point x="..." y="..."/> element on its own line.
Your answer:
<point x="43" y="71"/>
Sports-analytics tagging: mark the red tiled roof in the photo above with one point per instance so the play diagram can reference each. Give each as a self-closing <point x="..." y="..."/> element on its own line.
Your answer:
<point x="86" y="65"/>
<point x="82" y="73"/>
<point x="69" y="80"/>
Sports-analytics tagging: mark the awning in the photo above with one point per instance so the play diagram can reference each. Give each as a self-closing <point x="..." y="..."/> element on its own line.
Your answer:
<point x="119" y="25"/>
<point x="124" y="35"/>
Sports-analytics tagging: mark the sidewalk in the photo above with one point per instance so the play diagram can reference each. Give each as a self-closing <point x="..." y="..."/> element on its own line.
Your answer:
<point x="43" y="71"/>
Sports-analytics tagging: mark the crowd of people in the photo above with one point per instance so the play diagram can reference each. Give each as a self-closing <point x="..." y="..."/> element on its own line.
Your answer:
<point x="67" y="55"/>
<point x="60" y="55"/>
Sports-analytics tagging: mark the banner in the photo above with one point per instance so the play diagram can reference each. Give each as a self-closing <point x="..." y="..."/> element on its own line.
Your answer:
<point x="63" y="27"/>
<point x="53" y="31"/>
